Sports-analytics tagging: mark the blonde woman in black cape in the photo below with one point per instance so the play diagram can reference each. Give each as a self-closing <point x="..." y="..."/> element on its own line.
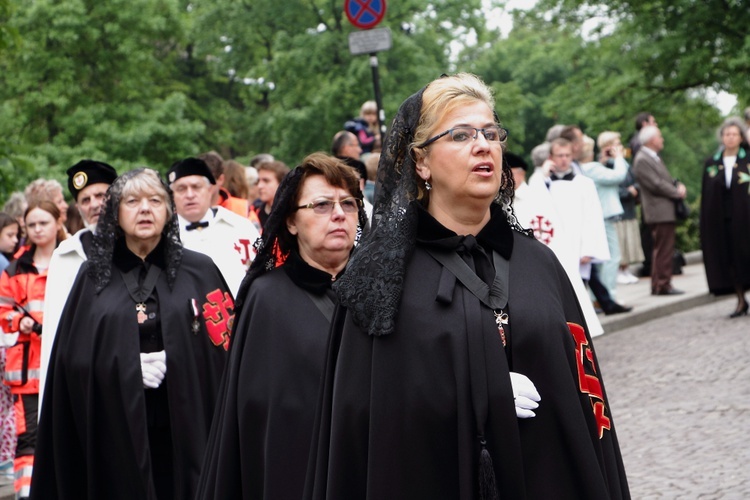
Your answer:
<point x="260" y="440"/>
<point x="460" y="366"/>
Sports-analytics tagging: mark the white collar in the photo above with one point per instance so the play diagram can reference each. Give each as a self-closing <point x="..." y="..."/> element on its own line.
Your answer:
<point x="650" y="151"/>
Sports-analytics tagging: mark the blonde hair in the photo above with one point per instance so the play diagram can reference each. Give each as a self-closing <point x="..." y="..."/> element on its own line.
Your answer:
<point x="444" y="95"/>
<point x="587" y="151"/>
<point x="42" y="189"/>
<point x="607" y="138"/>
<point x="368" y="107"/>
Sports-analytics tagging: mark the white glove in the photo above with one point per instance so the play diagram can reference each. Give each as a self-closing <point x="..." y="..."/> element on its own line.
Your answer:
<point x="525" y="395"/>
<point x="153" y="368"/>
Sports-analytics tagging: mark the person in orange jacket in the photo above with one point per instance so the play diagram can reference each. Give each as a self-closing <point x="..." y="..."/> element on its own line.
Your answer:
<point x="22" y="289"/>
<point x="220" y="196"/>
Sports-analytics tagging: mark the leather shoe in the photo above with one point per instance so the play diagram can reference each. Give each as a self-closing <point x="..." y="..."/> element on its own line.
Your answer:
<point x="671" y="291"/>
<point x="616" y="308"/>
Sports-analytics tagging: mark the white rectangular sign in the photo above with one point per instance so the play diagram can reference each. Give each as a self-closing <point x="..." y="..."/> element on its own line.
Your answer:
<point x="369" y="41"/>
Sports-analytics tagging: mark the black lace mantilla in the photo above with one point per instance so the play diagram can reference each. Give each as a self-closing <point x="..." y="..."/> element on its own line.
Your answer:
<point x="371" y="287"/>
<point x="108" y="231"/>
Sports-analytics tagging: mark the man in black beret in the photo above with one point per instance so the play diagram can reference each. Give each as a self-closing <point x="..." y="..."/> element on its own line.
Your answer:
<point x="88" y="181"/>
<point x="215" y="231"/>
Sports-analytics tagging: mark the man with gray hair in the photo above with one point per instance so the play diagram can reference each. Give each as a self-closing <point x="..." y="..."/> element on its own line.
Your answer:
<point x="221" y="234"/>
<point x="659" y="191"/>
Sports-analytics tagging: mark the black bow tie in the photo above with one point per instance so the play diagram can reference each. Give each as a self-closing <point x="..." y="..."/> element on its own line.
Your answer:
<point x="196" y="225"/>
<point x="567" y="177"/>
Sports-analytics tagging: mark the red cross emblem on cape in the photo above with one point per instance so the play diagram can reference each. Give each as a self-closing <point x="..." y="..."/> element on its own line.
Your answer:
<point x="588" y="380"/>
<point x="218" y="311"/>
<point x="543" y="229"/>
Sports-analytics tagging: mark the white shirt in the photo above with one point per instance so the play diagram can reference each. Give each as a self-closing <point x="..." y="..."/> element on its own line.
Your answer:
<point x="535" y="208"/>
<point x="729" y="162"/>
<point x="63" y="268"/>
<point x="228" y="240"/>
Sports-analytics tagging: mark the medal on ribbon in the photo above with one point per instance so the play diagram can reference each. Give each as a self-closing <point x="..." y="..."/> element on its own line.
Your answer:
<point x="140" y="309"/>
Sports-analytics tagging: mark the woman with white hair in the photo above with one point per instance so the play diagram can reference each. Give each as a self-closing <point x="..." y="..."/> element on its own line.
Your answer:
<point x="725" y="215"/>
<point x="135" y="368"/>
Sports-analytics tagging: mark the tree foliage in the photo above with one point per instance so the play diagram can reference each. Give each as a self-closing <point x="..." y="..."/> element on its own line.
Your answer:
<point x="146" y="82"/>
<point x="678" y="44"/>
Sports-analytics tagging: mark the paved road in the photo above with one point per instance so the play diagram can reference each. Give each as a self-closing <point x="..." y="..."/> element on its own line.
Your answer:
<point x="679" y="388"/>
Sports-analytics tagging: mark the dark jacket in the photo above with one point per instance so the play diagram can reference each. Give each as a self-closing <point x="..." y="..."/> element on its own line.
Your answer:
<point x="398" y="415"/>
<point x="724" y="223"/>
<point x="658" y="192"/>
<point x="93" y="438"/>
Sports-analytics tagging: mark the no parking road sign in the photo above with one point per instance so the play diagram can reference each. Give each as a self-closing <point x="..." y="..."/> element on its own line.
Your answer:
<point x="364" y="14"/>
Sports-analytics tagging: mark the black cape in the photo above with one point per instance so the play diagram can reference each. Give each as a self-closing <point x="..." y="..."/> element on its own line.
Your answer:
<point x="398" y="416"/>
<point x="93" y="440"/>
<point x="724" y="223"/>
<point x="260" y="439"/>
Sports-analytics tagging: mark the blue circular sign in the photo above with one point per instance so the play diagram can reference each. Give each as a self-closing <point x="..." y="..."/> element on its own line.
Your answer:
<point x="364" y="14"/>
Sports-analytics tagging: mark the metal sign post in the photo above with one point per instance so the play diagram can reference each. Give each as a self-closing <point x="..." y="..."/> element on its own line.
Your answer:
<point x="365" y="14"/>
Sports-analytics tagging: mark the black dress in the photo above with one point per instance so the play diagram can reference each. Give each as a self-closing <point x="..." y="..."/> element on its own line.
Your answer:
<point x="103" y="435"/>
<point x="400" y="413"/>
<point x="724" y="223"/>
<point x="260" y="440"/>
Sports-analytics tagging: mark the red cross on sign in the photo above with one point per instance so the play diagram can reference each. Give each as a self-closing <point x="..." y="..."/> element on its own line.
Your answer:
<point x="364" y="14"/>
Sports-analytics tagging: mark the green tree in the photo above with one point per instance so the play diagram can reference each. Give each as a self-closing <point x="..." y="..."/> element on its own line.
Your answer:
<point x="90" y="79"/>
<point x="679" y="44"/>
<point x="552" y="74"/>
<point x="288" y="75"/>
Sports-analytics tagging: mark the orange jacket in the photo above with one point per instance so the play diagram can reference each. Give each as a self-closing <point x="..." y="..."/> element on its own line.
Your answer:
<point x="21" y="284"/>
<point x="231" y="203"/>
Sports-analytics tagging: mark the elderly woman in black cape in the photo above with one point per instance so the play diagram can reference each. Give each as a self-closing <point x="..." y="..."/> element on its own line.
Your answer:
<point x="452" y="323"/>
<point x="260" y="440"/>
<point x="137" y="359"/>
<point x="725" y="215"/>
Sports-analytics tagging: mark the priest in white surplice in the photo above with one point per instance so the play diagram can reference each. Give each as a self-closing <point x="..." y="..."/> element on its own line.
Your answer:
<point x="535" y="209"/>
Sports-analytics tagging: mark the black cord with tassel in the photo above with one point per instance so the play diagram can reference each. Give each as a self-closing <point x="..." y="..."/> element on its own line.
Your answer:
<point x="487" y="482"/>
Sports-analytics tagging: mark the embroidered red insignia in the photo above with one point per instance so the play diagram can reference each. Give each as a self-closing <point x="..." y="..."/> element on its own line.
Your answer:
<point x="244" y="247"/>
<point x="543" y="229"/>
<point x="588" y="381"/>
<point x="218" y="311"/>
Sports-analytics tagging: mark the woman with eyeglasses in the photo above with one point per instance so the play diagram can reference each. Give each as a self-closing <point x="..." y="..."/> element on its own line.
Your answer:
<point x="137" y="360"/>
<point x="459" y="364"/>
<point x="260" y="440"/>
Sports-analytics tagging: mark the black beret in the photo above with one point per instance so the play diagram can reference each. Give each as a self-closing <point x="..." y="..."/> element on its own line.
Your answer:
<point x="87" y="172"/>
<point x="189" y="166"/>
<point x="514" y="161"/>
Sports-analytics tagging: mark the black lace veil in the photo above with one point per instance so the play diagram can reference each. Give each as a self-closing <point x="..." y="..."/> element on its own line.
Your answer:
<point x="108" y="231"/>
<point x="266" y="247"/>
<point x="371" y="287"/>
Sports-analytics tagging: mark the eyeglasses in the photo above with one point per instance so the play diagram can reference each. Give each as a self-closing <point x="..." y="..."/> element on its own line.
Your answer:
<point x="325" y="207"/>
<point x="463" y="134"/>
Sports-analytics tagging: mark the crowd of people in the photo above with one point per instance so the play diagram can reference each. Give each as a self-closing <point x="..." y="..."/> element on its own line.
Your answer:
<point x="406" y="316"/>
